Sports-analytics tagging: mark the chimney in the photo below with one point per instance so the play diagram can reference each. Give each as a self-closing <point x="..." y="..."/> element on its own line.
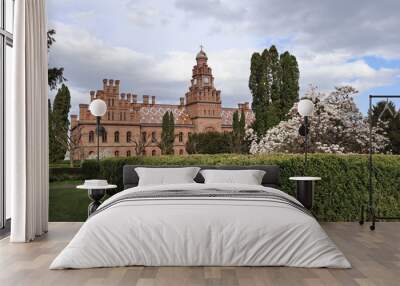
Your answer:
<point x="182" y="101"/>
<point x="122" y="96"/>
<point x="117" y="81"/>
<point x="153" y="100"/>
<point x="134" y="98"/>
<point x="92" y="92"/>
<point x="111" y="82"/>
<point x="128" y="97"/>
<point x="145" y="99"/>
<point x="104" y="83"/>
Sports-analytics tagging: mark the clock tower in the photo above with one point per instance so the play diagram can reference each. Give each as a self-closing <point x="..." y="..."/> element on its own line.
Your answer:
<point x="203" y="100"/>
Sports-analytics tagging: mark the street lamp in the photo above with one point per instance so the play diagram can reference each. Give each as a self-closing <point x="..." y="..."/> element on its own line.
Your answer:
<point x="305" y="108"/>
<point x="98" y="108"/>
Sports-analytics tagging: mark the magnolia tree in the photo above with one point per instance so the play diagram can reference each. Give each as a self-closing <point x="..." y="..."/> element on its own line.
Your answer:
<point x="336" y="126"/>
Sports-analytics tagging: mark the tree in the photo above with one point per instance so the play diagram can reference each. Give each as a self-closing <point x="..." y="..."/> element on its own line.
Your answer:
<point x="167" y="134"/>
<point x="55" y="75"/>
<point x="59" y="124"/>
<point x="337" y="126"/>
<point x="274" y="85"/>
<point x="238" y="144"/>
<point x="384" y="113"/>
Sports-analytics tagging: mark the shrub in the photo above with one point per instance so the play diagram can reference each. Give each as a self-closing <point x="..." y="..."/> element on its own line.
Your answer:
<point x="209" y="143"/>
<point x="65" y="173"/>
<point x="338" y="196"/>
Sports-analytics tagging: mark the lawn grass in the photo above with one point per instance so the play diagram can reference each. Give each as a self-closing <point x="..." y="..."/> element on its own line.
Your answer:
<point x="66" y="203"/>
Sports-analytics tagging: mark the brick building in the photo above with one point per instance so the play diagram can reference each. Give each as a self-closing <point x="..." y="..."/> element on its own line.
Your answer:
<point x="134" y="127"/>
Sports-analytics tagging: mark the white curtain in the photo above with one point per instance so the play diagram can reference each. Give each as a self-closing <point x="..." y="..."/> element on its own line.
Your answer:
<point x="27" y="121"/>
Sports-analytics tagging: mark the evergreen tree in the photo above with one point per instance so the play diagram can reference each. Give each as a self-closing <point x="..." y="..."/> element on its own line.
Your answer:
<point x="60" y="123"/>
<point x="273" y="83"/>
<point x="167" y="134"/>
<point x="238" y="144"/>
<point x="52" y="145"/>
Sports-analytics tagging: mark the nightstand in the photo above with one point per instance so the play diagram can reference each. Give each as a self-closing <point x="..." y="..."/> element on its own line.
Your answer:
<point x="305" y="190"/>
<point x="95" y="193"/>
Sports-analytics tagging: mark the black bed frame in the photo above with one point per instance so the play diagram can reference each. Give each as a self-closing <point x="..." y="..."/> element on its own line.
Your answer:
<point x="371" y="208"/>
<point x="270" y="179"/>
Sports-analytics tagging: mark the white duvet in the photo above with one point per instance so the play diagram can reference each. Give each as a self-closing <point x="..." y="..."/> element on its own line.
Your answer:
<point x="194" y="231"/>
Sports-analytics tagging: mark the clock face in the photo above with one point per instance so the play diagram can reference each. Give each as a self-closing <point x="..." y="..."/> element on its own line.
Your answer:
<point x="206" y="80"/>
<point x="195" y="81"/>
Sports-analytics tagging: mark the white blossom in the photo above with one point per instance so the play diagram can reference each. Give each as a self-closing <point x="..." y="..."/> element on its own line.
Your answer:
<point x="336" y="126"/>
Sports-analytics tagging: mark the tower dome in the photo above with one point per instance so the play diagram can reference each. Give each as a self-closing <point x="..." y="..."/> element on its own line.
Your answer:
<point x="201" y="54"/>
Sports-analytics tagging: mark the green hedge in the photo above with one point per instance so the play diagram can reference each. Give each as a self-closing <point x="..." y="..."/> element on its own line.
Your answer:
<point x="338" y="195"/>
<point x="64" y="173"/>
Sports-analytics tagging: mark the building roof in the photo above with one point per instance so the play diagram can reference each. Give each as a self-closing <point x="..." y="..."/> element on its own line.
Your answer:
<point x="154" y="114"/>
<point x="227" y="116"/>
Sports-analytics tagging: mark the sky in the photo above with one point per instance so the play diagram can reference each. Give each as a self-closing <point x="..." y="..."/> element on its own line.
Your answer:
<point x="150" y="45"/>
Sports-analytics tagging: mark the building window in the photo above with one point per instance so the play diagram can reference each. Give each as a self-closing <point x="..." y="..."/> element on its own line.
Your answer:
<point x="128" y="136"/>
<point x="120" y="116"/>
<point x="91" y="136"/>
<point x="189" y="134"/>
<point x="116" y="153"/>
<point x="144" y="136"/>
<point x="180" y="136"/>
<point x="108" y="115"/>
<point x="153" y="153"/>
<point x="116" y="137"/>
<point x="112" y="115"/>
<point x="112" y="100"/>
<point x="109" y="102"/>
<point x="124" y="116"/>
<point x="104" y="137"/>
<point x="153" y="137"/>
<point x="181" y="152"/>
<point x="128" y="153"/>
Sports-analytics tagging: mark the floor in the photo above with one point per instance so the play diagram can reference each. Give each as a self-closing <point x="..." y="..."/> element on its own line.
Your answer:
<point x="375" y="257"/>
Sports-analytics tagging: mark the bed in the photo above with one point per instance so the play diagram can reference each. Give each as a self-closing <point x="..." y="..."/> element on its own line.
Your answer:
<point x="198" y="224"/>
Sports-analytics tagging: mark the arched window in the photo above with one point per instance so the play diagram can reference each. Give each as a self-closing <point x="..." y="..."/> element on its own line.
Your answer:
<point x="116" y="137"/>
<point x="181" y="152"/>
<point x="128" y="153"/>
<point x="116" y="153"/>
<point x="144" y="136"/>
<point x="128" y="136"/>
<point x="104" y="137"/>
<point x="153" y="153"/>
<point x="91" y="136"/>
<point x="180" y="136"/>
<point x="153" y="137"/>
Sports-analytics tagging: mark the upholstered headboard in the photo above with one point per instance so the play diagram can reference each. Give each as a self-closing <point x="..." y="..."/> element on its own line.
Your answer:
<point x="271" y="177"/>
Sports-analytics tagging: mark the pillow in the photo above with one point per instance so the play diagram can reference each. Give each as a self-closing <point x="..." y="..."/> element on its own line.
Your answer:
<point x="166" y="176"/>
<point x="248" y="177"/>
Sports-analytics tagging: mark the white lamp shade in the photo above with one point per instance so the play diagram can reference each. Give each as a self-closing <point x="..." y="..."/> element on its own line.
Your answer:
<point x="305" y="107"/>
<point x="98" y="107"/>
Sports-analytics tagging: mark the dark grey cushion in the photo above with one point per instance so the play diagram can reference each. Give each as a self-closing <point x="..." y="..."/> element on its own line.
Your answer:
<point x="270" y="179"/>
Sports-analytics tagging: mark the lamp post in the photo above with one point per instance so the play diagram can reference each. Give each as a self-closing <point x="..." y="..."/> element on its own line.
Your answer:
<point x="305" y="108"/>
<point x="98" y="108"/>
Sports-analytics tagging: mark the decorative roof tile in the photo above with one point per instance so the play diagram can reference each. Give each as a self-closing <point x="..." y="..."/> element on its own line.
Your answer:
<point x="154" y="114"/>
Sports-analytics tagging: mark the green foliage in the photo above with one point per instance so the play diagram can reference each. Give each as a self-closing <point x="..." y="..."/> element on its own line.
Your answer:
<point x="274" y="85"/>
<point x="57" y="174"/>
<point x="338" y="196"/>
<point x="55" y="75"/>
<point x="209" y="143"/>
<point x="59" y="124"/>
<point x="386" y="112"/>
<point x="167" y="134"/>
<point x="238" y="144"/>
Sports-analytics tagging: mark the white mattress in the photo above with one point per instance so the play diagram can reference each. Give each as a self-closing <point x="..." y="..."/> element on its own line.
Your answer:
<point x="200" y="231"/>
